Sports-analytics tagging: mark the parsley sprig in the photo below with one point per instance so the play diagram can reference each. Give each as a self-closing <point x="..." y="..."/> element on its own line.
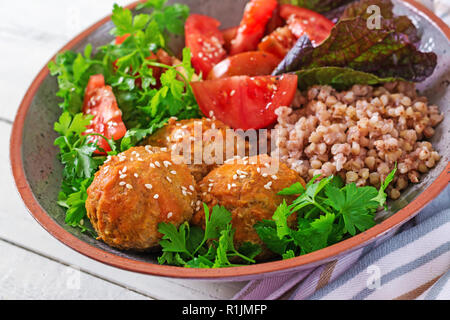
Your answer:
<point x="213" y="247"/>
<point x="327" y="212"/>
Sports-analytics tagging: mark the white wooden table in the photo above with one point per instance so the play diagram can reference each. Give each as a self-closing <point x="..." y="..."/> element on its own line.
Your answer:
<point x="33" y="265"/>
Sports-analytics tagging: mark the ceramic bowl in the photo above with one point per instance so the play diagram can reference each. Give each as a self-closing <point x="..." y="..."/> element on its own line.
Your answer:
<point x="37" y="171"/>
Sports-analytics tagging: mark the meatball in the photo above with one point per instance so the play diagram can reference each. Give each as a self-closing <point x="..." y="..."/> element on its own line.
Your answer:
<point x="135" y="191"/>
<point x="249" y="192"/>
<point x="195" y="140"/>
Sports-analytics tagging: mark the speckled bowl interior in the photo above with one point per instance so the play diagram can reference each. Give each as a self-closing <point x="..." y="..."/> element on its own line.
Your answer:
<point x="43" y="170"/>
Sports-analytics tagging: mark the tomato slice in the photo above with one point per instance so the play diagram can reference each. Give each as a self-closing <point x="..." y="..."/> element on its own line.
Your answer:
<point x="244" y="102"/>
<point x="278" y="42"/>
<point x="256" y="16"/>
<point x="99" y="101"/>
<point x="252" y="63"/>
<point x="205" y="41"/>
<point x="301" y="21"/>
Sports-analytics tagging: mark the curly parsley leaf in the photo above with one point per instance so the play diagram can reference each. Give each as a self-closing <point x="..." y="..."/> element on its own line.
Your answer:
<point x="210" y="248"/>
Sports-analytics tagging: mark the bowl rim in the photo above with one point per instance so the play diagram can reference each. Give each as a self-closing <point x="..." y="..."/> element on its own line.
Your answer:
<point x="231" y="273"/>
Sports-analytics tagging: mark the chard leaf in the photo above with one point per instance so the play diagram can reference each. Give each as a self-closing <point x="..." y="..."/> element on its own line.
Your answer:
<point x="383" y="52"/>
<point x="338" y="77"/>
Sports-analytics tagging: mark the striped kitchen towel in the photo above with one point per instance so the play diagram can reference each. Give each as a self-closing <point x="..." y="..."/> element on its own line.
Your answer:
<point x="414" y="264"/>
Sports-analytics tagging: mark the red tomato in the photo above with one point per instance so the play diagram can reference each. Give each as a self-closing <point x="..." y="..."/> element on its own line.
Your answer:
<point x="252" y="63"/>
<point x="228" y="36"/>
<point x="99" y="101"/>
<point x="244" y="102"/>
<point x="301" y="21"/>
<point x="278" y="42"/>
<point x="256" y="16"/>
<point x="205" y="41"/>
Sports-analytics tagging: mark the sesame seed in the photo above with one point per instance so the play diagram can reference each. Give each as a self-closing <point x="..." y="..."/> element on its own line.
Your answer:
<point x="147" y="148"/>
<point x="232" y="93"/>
<point x="164" y="149"/>
<point x="235" y="177"/>
<point x="152" y="165"/>
<point x="229" y="186"/>
<point x="274" y="177"/>
<point x="192" y="188"/>
<point x="129" y="186"/>
<point x="123" y="176"/>
<point x="136" y="175"/>
<point x="169" y="215"/>
<point x="267" y="186"/>
<point x="122" y="183"/>
<point x="156" y="196"/>
<point x="258" y="170"/>
<point x="166" y="163"/>
<point x="264" y="175"/>
<point x="140" y="159"/>
<point x="233" y="185"/>
<point x="148" y="186"/>
<point x="158" y="164"/>
<point x="173" y="172"/>
<point x="124" y="169"/>
<point x="211" y="185"/>
<point x="168" y="179"/>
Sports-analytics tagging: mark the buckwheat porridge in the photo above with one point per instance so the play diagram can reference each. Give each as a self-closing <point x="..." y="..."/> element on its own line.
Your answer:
<point x="359" y="134"/>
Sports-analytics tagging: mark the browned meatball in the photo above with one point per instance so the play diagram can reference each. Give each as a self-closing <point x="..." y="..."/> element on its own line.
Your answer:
<point x="249" y="192"/>
<point x="135" y="191"/>
<point x="195" y="140"/>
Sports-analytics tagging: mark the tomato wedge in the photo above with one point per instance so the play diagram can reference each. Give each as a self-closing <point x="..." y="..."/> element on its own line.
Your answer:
<point x="301" y="21"/>
<point x="205" y="41"/>
<point x="99" y="101"/>
<point x="244" y="102"/>
<point x="252" y="63"/>
<point x="256" y="16"/>
<point x="278" y="42"/>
